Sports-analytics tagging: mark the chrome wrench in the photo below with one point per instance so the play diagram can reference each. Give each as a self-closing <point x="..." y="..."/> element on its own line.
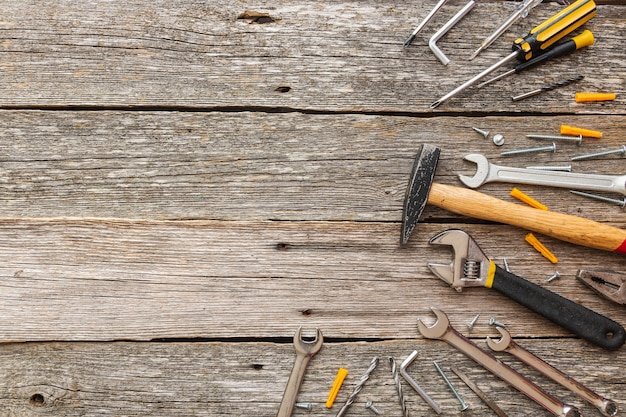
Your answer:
<point x="488" y="172"/>
<point x="506" y="344"/>
<point x="444" y="331"/>
<point x="304" y="352"/>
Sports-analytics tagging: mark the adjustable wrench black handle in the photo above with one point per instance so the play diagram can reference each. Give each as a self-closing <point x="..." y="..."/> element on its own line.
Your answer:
<point x="588" y="324"/>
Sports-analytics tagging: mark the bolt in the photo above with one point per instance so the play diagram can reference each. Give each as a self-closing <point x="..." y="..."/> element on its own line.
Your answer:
<point x="464" y="405"/>
<point x="485" y="133"/>
<point x="531" y="150"/>
<point x="565" y="168"/>
<point x="370" y="406"/>
<point x="498" y="140"/>
<point x="306" y="406"/>
<point x="621" y="150"/>
<point x="494" y="322"/>
<point x="578" y="139"/>
<point x="554" y="276"/>
<point x="471" y="324"/>
<point x="620" y="203"/>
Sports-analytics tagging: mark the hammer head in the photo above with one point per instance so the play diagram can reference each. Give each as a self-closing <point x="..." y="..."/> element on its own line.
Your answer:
<point x="419" y="186"/>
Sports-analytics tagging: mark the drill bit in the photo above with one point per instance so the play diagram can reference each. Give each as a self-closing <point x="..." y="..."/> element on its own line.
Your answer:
<point x="358" y="387"/>
<point x="548" y="88"/>
<point x="396" y="380"/>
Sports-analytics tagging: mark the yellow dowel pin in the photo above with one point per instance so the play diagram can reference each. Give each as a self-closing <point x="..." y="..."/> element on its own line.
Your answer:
<point x="527" y="199"/>
<point x="334" y="390"/>
<point x="530" y="238"/>
<point x="585" y="97"/>
<point x="576" y="131"/>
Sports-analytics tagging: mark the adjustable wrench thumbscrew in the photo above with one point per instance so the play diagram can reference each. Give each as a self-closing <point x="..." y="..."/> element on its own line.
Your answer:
<point x="305" y="350"/>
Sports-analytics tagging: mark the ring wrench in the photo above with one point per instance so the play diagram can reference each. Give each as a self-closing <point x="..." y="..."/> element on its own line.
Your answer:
<point x="506" y="344"/>
<point x="444" y="331"/>
<point x="488" y="172"/>
<point x="304" y="352"/>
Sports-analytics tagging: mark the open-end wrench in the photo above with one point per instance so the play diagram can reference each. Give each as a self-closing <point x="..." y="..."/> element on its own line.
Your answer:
<point x="444" y="331"/>
<point x="506" y="344"/>
<point x="305" y="350"/>
<point x="488" y="172"/>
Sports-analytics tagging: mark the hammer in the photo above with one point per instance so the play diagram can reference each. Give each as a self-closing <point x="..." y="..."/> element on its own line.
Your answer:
<point x="572" y="229"/>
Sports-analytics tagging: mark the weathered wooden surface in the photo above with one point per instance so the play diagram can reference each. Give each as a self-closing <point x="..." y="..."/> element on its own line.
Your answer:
<point x="182" y="189"/>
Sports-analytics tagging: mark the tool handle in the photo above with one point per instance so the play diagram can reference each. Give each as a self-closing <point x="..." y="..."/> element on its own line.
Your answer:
<point x="547" y="33"/>
<point x="588" y="324"/>
<point x="577" y="42"/>
<point x="565" y="227"/>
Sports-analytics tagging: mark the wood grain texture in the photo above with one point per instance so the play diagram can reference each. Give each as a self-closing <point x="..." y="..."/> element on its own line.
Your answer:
<point x="339" y="56"/>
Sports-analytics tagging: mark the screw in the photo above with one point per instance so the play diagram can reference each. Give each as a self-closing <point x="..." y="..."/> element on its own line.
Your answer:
<point x="485" y="133"/>
<point x="498" y="140"/>
<point x="554" y="276"/>
<point x="464" y="405"/>
<point x="494" y="322"/>
<point x="620" y="203"/>
<point x="471" y="324"/>
<point x="306" y="406"/>
<point x="578" y="139"/>
<point x="506" y="265"/>
<point x="566" y="168"/>
<point x="370" y="406"/>
<point x="621" y="150"/>
<point x="531" y="150"/>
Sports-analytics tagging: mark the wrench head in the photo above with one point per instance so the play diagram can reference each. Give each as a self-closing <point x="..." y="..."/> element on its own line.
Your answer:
<point x="501" y="345"/>
<point x="437" y="330"/>
<point x="482" y="170"/>
<point x="308" y="348"/>
<point x="469" y="266"/>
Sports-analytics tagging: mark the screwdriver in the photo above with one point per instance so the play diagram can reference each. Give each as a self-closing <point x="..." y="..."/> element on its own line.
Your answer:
<point x="577" y="42"/>
<point x="537" y="41"/>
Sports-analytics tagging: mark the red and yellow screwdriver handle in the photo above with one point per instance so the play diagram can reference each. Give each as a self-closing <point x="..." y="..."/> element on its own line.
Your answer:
<point x="547" y="33"/>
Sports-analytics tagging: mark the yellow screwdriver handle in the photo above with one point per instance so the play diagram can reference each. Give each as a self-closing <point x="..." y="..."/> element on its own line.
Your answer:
<point x="547" y="33"/>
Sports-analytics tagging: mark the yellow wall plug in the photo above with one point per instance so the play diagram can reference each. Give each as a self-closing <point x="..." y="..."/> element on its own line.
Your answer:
<point x="341" y="375"/>
<point x="527" y="199"/>
<point x="530" y="238"/>
<point x="576" y="131"/>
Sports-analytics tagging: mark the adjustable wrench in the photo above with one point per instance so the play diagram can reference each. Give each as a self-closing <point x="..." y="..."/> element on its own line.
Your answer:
<point x="444" y="331"/>
<point x="506" y="344"/>
<point x="488" y="172"/>
<point x="304" y="352"/>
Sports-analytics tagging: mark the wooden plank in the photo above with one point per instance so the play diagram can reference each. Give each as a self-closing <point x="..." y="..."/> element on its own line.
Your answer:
<point x="142" y="280"/>
<point x="330" y="56"/>
<point x="258" y="166"/>
<point x="225" y="379"/>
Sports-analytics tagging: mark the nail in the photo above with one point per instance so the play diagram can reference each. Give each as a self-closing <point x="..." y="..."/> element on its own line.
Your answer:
<point x="471" y="324"/>
<point x="554" y="276"/>
<point x="485" y="133"/>
<point x="620" y="203"/>
<point x="578" y="139"/>
<point x="464" y="405"/>
<point x="621" y="150"/>
<point x="531" y="150"/>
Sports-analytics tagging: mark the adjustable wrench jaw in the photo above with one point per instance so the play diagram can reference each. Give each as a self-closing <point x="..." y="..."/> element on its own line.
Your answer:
<point x="469" y="267"/>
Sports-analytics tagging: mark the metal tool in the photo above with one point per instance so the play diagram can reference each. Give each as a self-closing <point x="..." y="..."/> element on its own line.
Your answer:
<point x="610" y="285"/>
<point x="305" y="350"/>
<point x="521" y="11"/>
<point x="408" y="361"/>
<point x="487" y="172"/>
<point x="577" y="42"/>
<point x="537" y="41"/>
<point x="464" y="405"/>
<point x="396" y="381"/>
<point x="506" y="344"/>
<point x="419" y="27"/>
<point x="432" y="43"/>
<point x="421" y="190"/>
<point x="481" y="394"/>
<point x="358" y="387"/>
<point x="620" y="202"/>
<point x="550" y="87"/>
<point x="470" y="267"/>
<point x="618" y="151"/>
<point x="442" y="330"/>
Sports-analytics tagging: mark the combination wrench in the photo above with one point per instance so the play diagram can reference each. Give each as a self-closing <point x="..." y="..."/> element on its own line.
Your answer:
<point x="444" y="331"/>
<point x="304" y="352"/>
<point x="488" y="172"/>
<point x="506" y="344"/>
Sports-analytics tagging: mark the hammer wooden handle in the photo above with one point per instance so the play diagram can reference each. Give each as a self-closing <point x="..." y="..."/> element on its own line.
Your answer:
<point x="565" y="227"/>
